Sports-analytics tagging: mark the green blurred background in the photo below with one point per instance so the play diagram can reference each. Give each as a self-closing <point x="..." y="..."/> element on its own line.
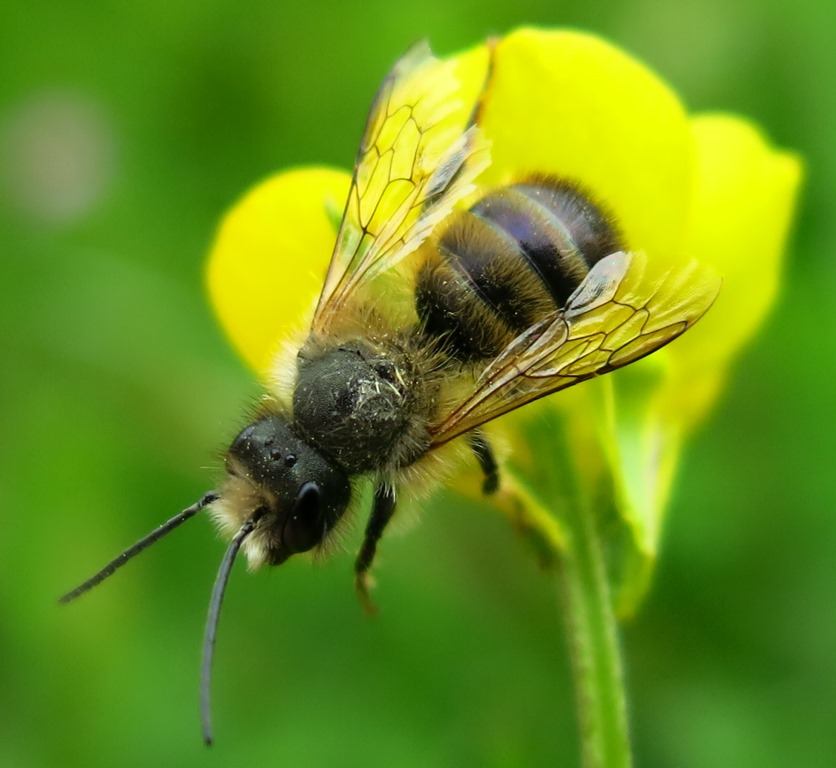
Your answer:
<point x="125" y="131"/>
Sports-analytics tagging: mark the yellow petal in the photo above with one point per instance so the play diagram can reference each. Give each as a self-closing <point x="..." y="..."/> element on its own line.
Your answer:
<point x="742" y="206"/>
<point x="470" y="70"/>
<point x="567" y="103"/>
<point x="269" y="258"/>
<point x="742" y="203"/>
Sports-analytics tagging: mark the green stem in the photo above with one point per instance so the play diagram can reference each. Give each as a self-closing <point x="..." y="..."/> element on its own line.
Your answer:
<point x="593" y="640"/>
<point x="559" y="502"/>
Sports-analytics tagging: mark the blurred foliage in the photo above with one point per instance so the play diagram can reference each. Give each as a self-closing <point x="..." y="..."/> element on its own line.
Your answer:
<point x="125" y="131"/>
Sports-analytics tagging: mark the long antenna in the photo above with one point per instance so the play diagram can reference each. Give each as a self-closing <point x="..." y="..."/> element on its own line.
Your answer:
<point x="142" y="544"/>
<point x="212" y="624"/>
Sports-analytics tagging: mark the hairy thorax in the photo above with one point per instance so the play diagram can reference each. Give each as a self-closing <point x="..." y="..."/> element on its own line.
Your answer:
<point x="365" y="403"/>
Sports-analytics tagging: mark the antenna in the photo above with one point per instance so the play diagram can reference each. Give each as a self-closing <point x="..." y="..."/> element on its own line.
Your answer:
<point x="215" y="603"/>
<point x="132" y="551"/>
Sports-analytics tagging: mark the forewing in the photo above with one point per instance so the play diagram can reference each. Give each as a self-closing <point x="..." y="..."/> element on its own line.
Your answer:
<point x="418" y="157"/>
<point x="616" y="316"/>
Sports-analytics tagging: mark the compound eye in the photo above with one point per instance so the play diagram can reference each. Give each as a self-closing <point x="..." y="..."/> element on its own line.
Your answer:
<point x="304" y="527"/>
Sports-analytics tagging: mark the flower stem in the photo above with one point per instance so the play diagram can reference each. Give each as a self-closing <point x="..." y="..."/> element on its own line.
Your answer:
<point x="563" y="506"/>
<point x="593" y="640"/>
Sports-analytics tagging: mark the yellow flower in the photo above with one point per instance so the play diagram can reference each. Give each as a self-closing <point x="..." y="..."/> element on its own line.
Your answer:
<point x="680" y="187"/>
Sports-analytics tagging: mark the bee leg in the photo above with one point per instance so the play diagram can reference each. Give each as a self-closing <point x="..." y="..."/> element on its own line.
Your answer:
<point x="487" y="461"/>
<point x="382" y="511"/>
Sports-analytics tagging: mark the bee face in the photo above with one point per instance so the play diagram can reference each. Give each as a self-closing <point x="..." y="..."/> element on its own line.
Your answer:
<point x="295" y="494"/>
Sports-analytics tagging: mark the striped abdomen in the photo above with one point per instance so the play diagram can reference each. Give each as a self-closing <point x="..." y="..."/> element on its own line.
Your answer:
<point x="514" y="257"/>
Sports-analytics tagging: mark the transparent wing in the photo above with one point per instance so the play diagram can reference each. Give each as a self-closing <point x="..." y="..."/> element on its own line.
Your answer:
<point x="418" y="157"/>
<point x="616" y="316"/>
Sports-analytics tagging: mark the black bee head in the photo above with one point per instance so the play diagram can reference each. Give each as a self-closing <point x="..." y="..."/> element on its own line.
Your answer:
<point x="296" y="493"/>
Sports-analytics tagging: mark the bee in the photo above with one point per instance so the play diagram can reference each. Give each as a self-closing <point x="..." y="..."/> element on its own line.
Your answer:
<point x="445" y="305"/>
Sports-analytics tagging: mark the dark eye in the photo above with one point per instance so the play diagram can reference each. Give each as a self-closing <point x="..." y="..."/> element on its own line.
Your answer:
<point x="304" y="527"/>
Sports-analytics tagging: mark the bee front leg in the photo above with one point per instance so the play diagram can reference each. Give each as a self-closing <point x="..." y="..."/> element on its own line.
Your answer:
<point x="382" y="511"/>
<point x="487" y="461"/>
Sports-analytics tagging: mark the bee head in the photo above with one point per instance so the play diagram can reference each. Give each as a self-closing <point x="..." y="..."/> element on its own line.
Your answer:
<point x="295" y="493"/>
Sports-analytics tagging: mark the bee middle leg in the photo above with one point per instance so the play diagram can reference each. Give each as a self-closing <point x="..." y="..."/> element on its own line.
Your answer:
<point x="382" y="510"/>
<point x="487" y="461"/>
